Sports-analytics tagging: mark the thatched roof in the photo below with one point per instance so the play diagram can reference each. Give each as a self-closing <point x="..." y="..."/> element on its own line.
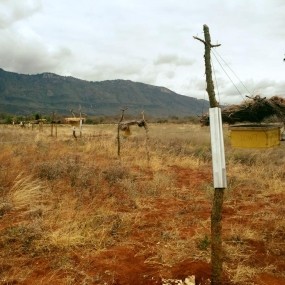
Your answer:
<point x="253" y="110"/>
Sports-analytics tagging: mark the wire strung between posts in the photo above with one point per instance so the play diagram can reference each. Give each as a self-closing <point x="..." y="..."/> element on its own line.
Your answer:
<point x="233" y="73"/>
<point x="228" y="76"/>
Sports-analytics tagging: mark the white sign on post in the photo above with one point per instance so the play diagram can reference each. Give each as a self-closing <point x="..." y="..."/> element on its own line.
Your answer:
<point x="218" y="150"/>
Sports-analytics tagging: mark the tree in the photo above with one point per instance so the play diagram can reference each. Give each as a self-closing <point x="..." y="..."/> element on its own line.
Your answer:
<point x="37" y="116"/>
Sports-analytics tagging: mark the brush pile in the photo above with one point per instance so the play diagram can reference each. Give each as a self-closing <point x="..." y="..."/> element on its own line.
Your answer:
<point x="253" y="110"/>
<point x="125" y="125"/>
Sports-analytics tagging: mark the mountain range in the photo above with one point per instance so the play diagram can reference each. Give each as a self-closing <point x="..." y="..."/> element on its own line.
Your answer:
<point x="48" y="92"/>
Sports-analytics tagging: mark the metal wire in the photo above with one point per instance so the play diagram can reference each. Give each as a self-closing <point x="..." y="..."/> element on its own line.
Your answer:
<point x="233" y="73"/>
<point x="228" y="76"/>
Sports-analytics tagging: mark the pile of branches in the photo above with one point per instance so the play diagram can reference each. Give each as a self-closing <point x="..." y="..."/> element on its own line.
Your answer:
<point x="253" y="110"/>
<point x="125" y="125"/>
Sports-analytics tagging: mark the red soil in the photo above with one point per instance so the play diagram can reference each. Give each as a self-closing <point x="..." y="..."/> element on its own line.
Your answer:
<point x="127" y="264"/>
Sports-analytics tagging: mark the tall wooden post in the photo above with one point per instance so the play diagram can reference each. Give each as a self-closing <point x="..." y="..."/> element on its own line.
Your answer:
<point x="216" y="215"/>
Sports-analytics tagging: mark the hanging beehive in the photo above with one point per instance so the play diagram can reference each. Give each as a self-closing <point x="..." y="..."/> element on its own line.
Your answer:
<point x="255" y="135"/>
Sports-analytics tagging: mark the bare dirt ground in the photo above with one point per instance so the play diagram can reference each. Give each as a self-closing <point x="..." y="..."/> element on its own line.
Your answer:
<point x="167" y="236"/>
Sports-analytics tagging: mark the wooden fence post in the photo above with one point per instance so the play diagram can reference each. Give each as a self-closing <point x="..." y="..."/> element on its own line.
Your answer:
<point x="216" y="215"/>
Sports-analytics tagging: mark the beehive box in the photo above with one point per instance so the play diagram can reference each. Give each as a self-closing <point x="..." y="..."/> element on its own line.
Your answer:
<point x="255" y="136"/>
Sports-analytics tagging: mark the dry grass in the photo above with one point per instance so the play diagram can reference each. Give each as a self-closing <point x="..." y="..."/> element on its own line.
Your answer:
<point x="27" y="193"/>
<point x="61" y="196"/>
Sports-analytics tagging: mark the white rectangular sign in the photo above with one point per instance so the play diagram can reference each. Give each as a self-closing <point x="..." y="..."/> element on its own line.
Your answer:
<point x="218" y="150"/>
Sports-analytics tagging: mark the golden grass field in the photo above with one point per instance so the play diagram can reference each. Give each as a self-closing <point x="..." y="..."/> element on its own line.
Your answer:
<point x="73" y="212"/>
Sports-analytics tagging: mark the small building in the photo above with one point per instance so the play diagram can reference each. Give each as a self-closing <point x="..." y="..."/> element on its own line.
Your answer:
<point x="74" y="121"/>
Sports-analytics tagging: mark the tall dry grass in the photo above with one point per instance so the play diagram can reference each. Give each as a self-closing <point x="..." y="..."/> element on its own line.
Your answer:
<point x="88" y="198"/>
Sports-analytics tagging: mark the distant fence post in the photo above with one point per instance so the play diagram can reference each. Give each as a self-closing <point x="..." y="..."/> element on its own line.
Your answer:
<point x="118" y="131"/>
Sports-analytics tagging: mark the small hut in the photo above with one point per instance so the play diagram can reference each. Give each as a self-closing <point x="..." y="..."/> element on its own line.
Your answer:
<point x="75" y="122"/>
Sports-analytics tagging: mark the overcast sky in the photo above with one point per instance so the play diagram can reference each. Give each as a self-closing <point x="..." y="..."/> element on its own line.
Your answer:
<point x="150" y="41"/>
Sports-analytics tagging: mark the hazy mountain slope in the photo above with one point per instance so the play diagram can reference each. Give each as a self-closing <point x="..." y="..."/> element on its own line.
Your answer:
<point x="47" y="92"/>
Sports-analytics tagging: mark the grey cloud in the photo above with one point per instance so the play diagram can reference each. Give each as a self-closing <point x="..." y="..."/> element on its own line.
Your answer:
<point x="105" y="71"/>
<point x="266" y="88"/>
<point x="135" y="69"/>
<point x="263" y="84"/>
<point x="173" y="60"/>
<point x="200" y="85"/>
<point x="270" y="87"/>
<point x="170" y="74"/>
<point x="31" y="56"/>
<point x="12" y="11"/>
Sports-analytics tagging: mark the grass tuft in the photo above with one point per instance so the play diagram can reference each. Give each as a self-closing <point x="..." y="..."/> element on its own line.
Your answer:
<point x="28" y="193"/>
